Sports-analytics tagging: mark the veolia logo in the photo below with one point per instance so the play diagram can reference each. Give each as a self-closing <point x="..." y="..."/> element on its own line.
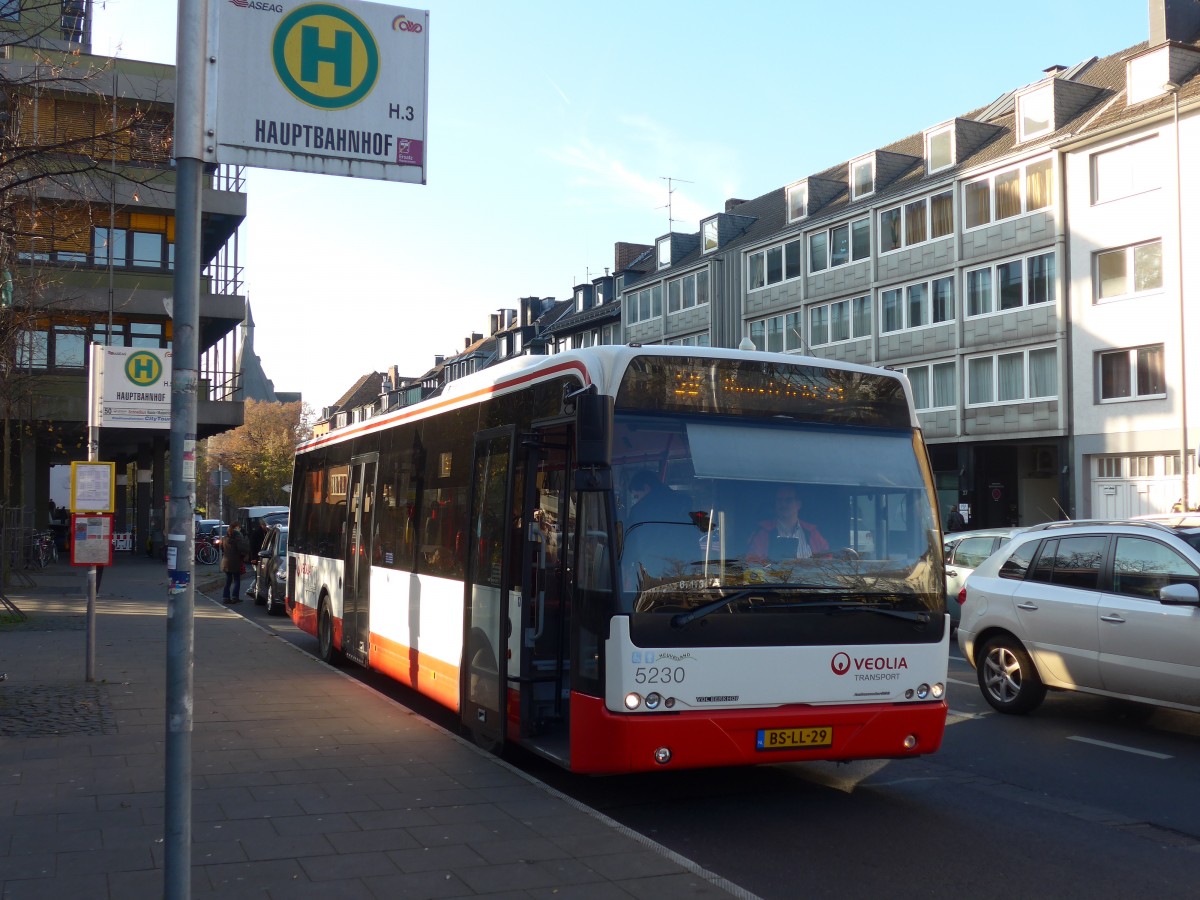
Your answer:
<point x="143" y="369"/>
<point x="325" y="56"/>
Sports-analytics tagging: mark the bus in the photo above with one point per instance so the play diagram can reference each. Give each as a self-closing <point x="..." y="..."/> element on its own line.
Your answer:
<point x="482" y="547"/>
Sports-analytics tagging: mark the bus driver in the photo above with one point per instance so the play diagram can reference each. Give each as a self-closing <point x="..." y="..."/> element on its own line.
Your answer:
<point x="786" y="536"/>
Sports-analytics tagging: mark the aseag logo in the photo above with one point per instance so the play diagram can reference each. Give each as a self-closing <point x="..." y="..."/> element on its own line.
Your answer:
<point x="325" y="56"/>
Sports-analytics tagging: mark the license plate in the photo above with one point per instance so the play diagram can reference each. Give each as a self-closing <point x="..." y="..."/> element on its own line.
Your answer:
<point x="795" y="738"/>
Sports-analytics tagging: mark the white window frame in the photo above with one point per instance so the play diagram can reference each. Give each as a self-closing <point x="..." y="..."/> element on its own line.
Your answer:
<point x="709" y="236"/>
<point x="683" y="281"/>
<point x="994" y="298"/>
<point x="903" y="208"/>
<point x="1130" y="252"/>
<point x="663" y="244"/>
<point x="1140" y="158"/>
<point x="855" y="165"/>
<point x="932" y="135"/>
<point x="1043" y="94"/>
<point x="905" y="310"/>
<point x="857" y="330"/>
<point x="699" y="339"/>
<point x="1131" y="353"/>
<point x="828" y="232"/>
<point x="1023" y="181"/>
<point x="797" y="242"/>
<point x="631" y="306"/>
<point x="790" y="327"/>
<point x="801" y="189"/>
<point x="995" y="358"/>
<point x="928" y="369"/>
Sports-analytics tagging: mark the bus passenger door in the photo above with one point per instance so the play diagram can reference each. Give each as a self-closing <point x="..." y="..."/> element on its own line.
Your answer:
<point x="486" y="626"/>
<point x="550" y="526"/>
<point x="356" y="584"/>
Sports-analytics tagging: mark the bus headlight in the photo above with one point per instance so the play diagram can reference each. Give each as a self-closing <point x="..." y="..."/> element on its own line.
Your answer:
<point x="633" y="700"/>
<point x="653" y="700"/>
<point x="922" y="691"/>
<point x="938" y="691"/>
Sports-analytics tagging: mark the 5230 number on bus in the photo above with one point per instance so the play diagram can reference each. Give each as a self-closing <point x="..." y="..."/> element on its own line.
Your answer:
<point x="659" y="674"/>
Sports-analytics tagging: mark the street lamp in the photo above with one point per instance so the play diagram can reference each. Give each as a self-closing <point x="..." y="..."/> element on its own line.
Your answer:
<point x="1173" y="88"/>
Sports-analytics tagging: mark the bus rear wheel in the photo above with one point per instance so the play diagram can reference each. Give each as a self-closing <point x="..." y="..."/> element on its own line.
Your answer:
<point x="325" y="648"/>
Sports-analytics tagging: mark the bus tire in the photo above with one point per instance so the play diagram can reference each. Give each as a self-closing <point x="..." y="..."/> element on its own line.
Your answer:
<point x="326" y="652"/>
<point x="1008" y="678"/>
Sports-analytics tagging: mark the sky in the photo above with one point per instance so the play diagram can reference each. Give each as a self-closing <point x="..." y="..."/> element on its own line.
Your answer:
<point x="553" y="128"/>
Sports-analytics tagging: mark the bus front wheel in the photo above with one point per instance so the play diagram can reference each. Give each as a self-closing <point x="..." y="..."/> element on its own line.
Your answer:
<point x="325" y="648"/>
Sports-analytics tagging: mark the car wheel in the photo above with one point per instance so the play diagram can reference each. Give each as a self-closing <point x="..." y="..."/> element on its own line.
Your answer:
<point x="274" y="607"/>
<point x="1007" y="677"/>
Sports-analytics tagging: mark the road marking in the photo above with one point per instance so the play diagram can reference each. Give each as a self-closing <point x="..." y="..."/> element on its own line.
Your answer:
<point x="1151" y="753"/>
<point x="959" y="714"/>
<point x="957" y="681"/>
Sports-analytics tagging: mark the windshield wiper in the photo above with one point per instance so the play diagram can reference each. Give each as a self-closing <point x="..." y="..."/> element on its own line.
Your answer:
<point x="681" y="619"/>
<point x="921" y="616"/>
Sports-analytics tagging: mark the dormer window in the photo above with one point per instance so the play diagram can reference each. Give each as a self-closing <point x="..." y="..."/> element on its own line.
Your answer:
<point x="797" y="201"/>
<point x="664" y="252"/>
<point x="580" y="300"/>
<point x="939" y="149"/>
<point x="1035" y="113"/>
<point x="708" y="236"/>
<point x="862" y="178"/>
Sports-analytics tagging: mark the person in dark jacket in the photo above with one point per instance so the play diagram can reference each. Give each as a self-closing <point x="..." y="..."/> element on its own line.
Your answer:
<point x="235" y="550"/>
<point x="955" y="521"/>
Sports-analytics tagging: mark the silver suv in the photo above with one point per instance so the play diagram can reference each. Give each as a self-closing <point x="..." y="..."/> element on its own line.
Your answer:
<point x="1108" y="608"/>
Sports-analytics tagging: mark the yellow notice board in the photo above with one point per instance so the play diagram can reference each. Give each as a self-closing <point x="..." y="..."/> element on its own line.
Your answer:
<point x="93" y="486"/>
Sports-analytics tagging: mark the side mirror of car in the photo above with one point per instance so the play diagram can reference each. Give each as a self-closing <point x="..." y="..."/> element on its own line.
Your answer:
<point x="264" y="554"/>
<point x="1179" y="595"/>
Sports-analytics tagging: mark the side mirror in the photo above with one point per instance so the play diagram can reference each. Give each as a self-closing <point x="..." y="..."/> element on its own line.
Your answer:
<point x="593" y="436"/>
<point x="1179" y="595"/>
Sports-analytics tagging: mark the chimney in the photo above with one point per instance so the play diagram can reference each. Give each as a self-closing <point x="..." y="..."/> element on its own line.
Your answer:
<point x="438" y="359"/>
<point x="1173" y="20"/>
<point x="1054" y="69"/>
<point x="625" y="253"/>
<point x="494" y="323"/>
<point x="731" y="203"/>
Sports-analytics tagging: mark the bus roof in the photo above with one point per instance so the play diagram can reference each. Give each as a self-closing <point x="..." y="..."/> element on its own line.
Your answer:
<point x="603" y="366"/>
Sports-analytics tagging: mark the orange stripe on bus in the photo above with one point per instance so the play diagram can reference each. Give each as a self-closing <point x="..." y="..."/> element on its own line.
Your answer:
<point x="433" y="677"/>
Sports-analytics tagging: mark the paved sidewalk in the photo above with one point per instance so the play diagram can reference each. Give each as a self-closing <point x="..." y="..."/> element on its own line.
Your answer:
<point x="305" y="782"/>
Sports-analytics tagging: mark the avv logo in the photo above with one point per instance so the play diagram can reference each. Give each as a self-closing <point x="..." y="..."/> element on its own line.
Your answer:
<point x="325" y="56"/>
<point x="143" y="368"/>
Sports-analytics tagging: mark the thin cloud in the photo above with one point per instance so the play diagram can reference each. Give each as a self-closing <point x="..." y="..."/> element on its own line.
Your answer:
<point x="561" y="92"/>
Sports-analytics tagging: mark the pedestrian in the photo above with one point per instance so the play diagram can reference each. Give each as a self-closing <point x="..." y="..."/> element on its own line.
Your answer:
<point x="234" y="551"/>
<point x="955" y="520"/>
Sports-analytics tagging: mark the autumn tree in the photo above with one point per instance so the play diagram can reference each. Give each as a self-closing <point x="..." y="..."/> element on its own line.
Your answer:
<point x="259" y="455"/>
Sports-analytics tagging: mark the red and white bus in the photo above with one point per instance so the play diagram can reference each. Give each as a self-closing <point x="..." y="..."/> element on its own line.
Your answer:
<point x="483" y="548"/>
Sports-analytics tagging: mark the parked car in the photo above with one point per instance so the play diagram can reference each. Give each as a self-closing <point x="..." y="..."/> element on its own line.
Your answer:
<point x="205" y="527"/>
<point x="270" y="571"/>
<point x="1108" y="608"/>
<point x="964" y="551"/>
<point x="218" y="534"/>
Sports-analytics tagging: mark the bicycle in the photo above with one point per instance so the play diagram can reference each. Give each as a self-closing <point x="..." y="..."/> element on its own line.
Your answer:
<point x="206" y="553"/>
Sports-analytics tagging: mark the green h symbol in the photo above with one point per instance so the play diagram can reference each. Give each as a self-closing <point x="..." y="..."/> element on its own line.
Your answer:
<point x="313" y="53"/>
<point x="143" y="368"/>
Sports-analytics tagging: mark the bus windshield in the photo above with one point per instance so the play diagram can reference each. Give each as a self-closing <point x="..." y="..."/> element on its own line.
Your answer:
<point x="731" y="514"/>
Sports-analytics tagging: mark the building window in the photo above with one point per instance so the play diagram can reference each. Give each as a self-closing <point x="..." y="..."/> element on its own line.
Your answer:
<point x="837" y="246"/>
<point x="691" y="340"/>
<point x="1128" y="271"/>
<point x="939" y="150"/>
<point x="1035" y="113"/>
<point x="132" y="249"/>
<point x="1012" y="377"/>
<point x="777" y="333"/>
<point x="1126" y="170"/>
<point x="644" y="305"/>
<point x="1132" y="374"/>
<point x="933" y="386"/>
<point x="1010" y="285"/>
<point x="916" y="305"/>
<point x="842" y="320"/>
<point x="773" y="265"/>
<point x="797" y="201"/>
<point x="862" y="181"/>
<point x="916" y="222"/>
<point x="664" y="252"/>
<point x="1013" y="192"/>
<point x="10" y="10"/>
<point x="708" y="236"/>
<point x="688" y="291"/>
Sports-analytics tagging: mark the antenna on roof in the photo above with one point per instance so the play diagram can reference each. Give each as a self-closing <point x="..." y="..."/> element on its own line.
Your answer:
<point x="671" y="182"/>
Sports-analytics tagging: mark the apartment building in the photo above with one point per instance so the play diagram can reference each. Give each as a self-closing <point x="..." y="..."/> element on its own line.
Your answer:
<point x="1020" y="263"/>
